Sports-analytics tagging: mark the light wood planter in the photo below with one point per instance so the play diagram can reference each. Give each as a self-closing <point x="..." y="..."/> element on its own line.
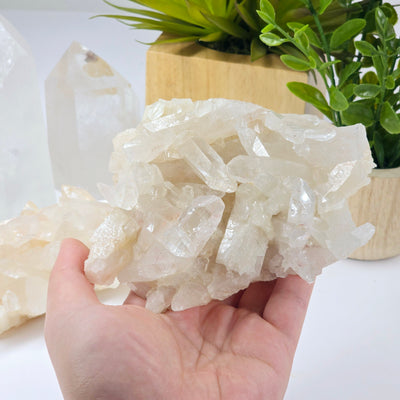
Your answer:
<point x="189" y="70"/>
<point x="379" y="204"/>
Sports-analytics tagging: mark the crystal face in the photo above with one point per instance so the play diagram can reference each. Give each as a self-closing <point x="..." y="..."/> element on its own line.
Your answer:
<point x="87" y="103"/>
<point x="225" y="193"/>
<point x="25" y="172"/>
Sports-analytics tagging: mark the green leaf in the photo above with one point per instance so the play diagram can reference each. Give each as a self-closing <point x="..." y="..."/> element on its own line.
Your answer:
<point x="347" y="72"/>
<point x="270" y="39"/>
<point x="227" y="26"/>
<point x="358" y="113"/>
<point x="328" y="64"/>
<point x="348" y="90"/>
<point x="267" y="11"/>
<point x="246" y="15"/>
<point x="311" y="95"/>
<point x="296" y="63"/>
<point x="257" y="49"/>
<point x="301" y="39"/>
<point x="337" y="100"/>
<point x="176" y="9"/>
<point x="178" y="28"/>
<point x="367" y="90"/>
<point x="379" y="149"/>
<point x="394" y="99"/>
<point x="379" y="67"/>
<point x="179" y="39"/>
<point x="396" y="73"/>
<point x="268" y="28"/>
<point x="311" y="35"/>
<point x="365" y="48"/>
<point x="346" y="31"/>
<point x="313" y="38"/>
<point x="313" y="63"/>
<point x="147" y="13"/>
<point x="370" y="77"/>
<point x="295" y="26"/>
<point x="198" y="13"/>
<point x="323" y="5"/>
<point x="390" y="12"/>
<point x="390" y="83"/>
<point x="212" y="37"/>
<point x="381" y="22"/>
<point x="388" y="119"/>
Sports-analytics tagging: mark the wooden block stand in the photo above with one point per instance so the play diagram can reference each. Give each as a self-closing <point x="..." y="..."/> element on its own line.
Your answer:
<point x="189" y="70"/>
<point x="379" y="204"/>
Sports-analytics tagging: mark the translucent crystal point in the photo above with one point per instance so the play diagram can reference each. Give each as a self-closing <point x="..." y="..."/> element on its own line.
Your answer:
<point x="88" y="103"/>
<point x="25" y="172"/>
<point x="207" y="164"/>
<point x="194" y="227"/>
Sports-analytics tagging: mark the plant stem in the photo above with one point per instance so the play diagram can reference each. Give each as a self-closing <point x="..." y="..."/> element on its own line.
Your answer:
<point x="336" y="115"/>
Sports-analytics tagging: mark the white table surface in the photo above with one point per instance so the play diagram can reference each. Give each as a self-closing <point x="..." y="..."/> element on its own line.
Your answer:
<point x="349" y="348"/>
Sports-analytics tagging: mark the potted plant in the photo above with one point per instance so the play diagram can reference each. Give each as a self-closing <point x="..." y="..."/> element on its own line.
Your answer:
<point x="359" y="65"/>
<point x="184" y="63"/>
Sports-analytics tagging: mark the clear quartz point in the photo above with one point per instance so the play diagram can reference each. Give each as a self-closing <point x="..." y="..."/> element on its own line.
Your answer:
<point x="88" y="103"/>
<point x="25" y="171"/>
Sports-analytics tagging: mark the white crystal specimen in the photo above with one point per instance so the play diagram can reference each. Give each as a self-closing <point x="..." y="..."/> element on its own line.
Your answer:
<point x="87" y="103"/>
<point x="29" y="245"/>
<point x="25" y="172"/>
<point x="224" y="193"/>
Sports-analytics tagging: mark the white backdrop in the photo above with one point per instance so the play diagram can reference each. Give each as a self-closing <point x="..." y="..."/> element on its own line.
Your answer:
<point x="60" y="5"/>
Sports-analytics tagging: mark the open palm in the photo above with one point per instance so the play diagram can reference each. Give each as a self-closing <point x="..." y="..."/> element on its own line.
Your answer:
<point x="241" y="348"/>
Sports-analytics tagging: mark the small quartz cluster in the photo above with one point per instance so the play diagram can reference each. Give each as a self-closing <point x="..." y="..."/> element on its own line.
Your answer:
<point x="210" y="196"/>
<point x="29" y="245"/>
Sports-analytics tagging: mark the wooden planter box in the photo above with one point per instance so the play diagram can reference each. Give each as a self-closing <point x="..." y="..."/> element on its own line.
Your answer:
<point x="189" y="70"/>
<point x="379" y="204"/>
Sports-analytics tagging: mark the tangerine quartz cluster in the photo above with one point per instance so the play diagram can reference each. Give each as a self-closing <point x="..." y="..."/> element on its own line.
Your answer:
<point x="210" y="196"/>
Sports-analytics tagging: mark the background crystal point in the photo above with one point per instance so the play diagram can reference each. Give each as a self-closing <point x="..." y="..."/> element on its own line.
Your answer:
<point x="87" y="103"/>
<point x="25" y="172"/>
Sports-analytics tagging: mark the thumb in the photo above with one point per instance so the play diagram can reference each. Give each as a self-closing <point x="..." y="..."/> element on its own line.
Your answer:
<point x="68" y="285"/>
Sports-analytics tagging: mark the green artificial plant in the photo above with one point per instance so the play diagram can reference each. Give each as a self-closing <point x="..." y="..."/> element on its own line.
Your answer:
<point x="226" y="25"/>
<point x="358" y="62"/>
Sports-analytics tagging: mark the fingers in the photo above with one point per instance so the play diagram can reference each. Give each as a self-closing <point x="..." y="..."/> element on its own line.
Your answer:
<point x="256" y="296"/>
<point x="68" y="286"/>
<point x="287" y="306"/>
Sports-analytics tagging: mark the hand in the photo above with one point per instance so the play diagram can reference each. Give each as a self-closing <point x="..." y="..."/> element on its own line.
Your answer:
<point x="241" y="348"/>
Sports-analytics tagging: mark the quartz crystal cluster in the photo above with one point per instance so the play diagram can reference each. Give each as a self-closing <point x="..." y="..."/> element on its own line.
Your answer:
<point x="207" y="197"/>
<point x="210" y="196"/>
<point x="29" y="246"/>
